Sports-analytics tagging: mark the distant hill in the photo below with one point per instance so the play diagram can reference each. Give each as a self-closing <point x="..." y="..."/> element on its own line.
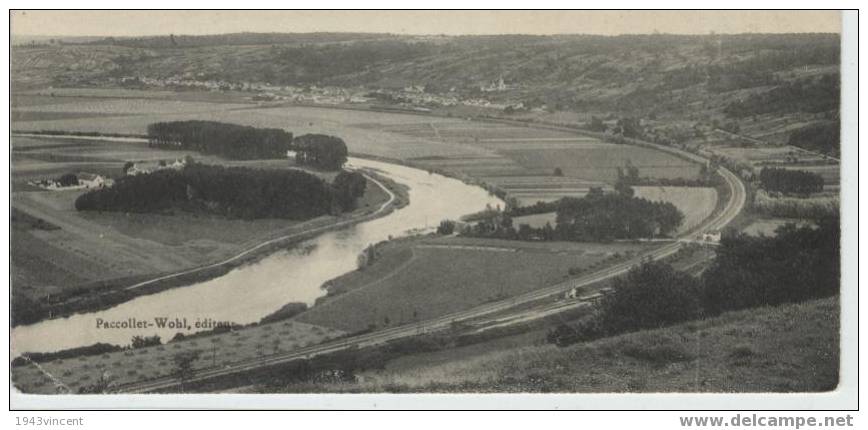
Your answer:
<point x="18" y="39"/>
<point x="645" y="75"/>
<point x="234" y="39"/>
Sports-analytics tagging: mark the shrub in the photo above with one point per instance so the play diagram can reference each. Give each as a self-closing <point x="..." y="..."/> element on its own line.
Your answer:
<point x="799" y="263"/>
<point x="649" y="296"/>
<point x="446" y="227"/>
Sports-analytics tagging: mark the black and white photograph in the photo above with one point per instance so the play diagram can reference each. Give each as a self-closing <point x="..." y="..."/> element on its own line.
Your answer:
<point x="402" y="202"/>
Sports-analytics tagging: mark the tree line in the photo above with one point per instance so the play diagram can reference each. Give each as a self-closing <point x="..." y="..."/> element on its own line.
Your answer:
<point x="797" y="264"/>
<point x="239" y="142"/>
<point x="233" y="141"/>
<point x="233" y="192"/>
<point x="596" y="217"/>
<point x="790" y="181"/>
<point x="795" y="207"/>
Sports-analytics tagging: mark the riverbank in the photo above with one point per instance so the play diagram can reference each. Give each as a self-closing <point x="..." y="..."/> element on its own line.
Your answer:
<point x="101" y="295"/>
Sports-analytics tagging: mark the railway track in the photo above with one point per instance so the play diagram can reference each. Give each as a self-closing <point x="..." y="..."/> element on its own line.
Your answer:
<point x="734" y="205"/>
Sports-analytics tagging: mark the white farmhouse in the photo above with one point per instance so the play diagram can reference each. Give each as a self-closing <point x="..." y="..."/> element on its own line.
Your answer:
<point x="711" y="237"/>
<point x="90" y="180"/>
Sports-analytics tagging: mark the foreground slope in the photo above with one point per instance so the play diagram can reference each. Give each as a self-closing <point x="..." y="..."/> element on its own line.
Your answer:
<point x="790" y="348"/>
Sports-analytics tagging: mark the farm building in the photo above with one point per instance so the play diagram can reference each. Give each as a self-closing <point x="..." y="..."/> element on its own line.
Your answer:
<point x="90" y="180"/>
<point x="71" y="181"/>
<point x="148" y="167"/>
<point x="711" y="237"/>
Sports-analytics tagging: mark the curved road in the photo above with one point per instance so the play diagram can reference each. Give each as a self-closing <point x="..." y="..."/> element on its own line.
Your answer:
<point x="735" y="204"/>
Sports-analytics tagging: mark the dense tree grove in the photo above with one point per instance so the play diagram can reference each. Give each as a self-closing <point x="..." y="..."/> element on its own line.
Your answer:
<point x="593" y="218"/>
<point x="799" y="263"/>
<point x="321" y="151"/>
<point x="231" y="141"/>
<point x="348" y="186"/>
<point x="790" y="181"/>
<point x="234" y="192"/>
<point x="824" y="137"/>
<point x="600" y="216"/>
<point x="649" y="296"/>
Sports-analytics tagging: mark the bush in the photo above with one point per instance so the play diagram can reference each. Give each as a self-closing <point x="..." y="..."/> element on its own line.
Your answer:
<point x="650" y="296"/>
<point x="798" y="264"/>
<point x="446" y="227"/>
<point x="145" y="341"/>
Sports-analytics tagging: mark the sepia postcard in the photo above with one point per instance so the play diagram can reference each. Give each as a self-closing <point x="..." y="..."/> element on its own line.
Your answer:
<point x="482" y="203"/>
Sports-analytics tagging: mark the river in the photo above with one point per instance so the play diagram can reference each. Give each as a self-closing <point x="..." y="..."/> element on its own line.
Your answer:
<point x="250" y="292"/>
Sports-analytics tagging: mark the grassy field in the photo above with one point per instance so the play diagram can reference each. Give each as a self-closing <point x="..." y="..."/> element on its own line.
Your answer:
<point x="133" y="245"/>
<point x="788" y="157"/>
<point x="767" y="226"/>
<point x="537" y="220"/>
<point x="89" y="246"/>
<point x="520" y="160"/>
<point x="155" y="361"/>
<point x="789" y="348"/>
<point x="599" y="161"/>
<point x="695" y="203"/>
<point x="418" y="279"/>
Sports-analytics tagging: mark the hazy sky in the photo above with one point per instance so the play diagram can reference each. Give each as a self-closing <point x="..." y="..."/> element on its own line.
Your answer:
<point x="139" y="23"/>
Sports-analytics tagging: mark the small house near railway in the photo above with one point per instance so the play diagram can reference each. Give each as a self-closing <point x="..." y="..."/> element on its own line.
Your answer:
<point x="91" y="180"/>
<point x="711" y="237"/>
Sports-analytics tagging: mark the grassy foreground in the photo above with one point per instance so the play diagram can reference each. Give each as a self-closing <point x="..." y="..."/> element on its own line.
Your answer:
<point x="789" y="348"/>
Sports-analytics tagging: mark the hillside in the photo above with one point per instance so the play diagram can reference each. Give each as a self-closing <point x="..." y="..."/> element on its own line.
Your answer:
<point x="624" y="72"/>
<point x="790" y="348"/>
<point x="682" y="89"/>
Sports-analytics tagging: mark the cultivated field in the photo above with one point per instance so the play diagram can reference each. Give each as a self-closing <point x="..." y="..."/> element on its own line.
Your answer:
<point x="696" y="203"/>
<point x="519" y="160"/>
<point x="155" y="361"/>
<point x="418" y="279"/>
<point x="86" y="247"/>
